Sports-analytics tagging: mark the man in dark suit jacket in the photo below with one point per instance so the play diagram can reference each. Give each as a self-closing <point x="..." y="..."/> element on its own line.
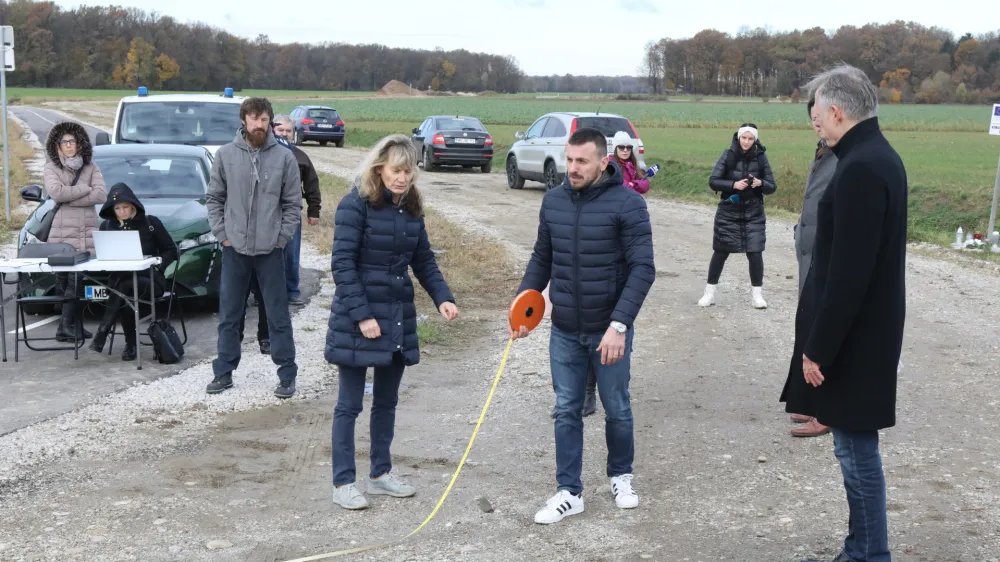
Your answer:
<point x="595" y="244"/>
<point x="849" y="326"/>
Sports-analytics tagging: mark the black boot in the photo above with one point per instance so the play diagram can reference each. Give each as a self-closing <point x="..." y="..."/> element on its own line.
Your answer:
<point x="66" y="332"/>
<point x="107" y="324"/>
<point x="129" y="353"/>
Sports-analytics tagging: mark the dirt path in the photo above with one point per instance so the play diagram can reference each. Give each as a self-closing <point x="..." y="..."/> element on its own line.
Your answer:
<point x="718" y="475"/>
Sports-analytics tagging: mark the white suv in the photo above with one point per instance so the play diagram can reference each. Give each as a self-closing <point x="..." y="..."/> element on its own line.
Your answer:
<point x="540" y="154"/>
<point x="196" y="119"/>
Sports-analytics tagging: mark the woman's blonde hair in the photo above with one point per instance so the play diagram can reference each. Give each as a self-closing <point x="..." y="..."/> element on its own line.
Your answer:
<point x="396" y="151"/>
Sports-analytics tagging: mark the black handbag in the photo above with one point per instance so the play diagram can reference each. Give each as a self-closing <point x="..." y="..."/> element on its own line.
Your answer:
<point x="46" y="221"/>
<point x="167" y="346"/>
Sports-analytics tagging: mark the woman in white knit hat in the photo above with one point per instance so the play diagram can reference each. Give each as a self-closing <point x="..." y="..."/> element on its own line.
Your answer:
<point x="624" y="155"/>
<point x="742" y="177"/>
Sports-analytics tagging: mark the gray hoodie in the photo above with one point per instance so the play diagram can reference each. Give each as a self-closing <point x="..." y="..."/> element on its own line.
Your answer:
<point x="254" y="198"/>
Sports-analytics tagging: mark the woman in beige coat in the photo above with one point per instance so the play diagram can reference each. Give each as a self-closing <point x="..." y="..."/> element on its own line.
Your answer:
<point x="70" y="157"/>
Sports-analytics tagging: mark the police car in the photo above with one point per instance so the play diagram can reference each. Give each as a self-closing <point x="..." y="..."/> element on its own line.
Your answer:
<point x="194" y="119"/>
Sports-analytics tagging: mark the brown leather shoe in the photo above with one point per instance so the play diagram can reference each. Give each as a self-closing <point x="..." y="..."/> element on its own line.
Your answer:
<point x="810" y="429"/>
<point x="799" y="418"/>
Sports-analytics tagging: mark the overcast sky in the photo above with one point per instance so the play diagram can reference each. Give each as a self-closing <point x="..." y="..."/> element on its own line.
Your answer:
<point x="548" y="36"/>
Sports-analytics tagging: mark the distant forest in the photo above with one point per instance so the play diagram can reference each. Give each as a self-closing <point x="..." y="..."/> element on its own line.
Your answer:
<point x="910" y="63"/>
<point x="114" y="47"/>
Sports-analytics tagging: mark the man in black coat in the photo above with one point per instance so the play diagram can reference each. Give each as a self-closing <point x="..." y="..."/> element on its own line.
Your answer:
<point x="849" y="326"/>
<point x="595" y="245"/>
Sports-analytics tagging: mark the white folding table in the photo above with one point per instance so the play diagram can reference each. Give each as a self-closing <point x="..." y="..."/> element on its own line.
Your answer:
<point x="40" y="265"/>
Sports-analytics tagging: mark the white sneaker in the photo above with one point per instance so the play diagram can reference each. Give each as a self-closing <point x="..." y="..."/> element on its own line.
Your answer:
<point x="708" y="299"/>
<point x="563" y="504"/>
<point x="625" y="496"/>
<point x="758" y="298"/>
<point x="349" y="497"/>
<point x="390" y="485"/>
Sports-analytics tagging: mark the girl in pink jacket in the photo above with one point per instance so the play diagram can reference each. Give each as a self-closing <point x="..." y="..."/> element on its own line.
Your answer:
<point x="624" y="156"/>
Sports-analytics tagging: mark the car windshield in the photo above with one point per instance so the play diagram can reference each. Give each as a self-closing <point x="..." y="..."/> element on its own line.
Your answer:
<point x="152" y="177"/>
<point x="330" y="114"/>
<point x="458" y="124"/>
<point x="179" y="122"/>
<point x="607" y="125"/>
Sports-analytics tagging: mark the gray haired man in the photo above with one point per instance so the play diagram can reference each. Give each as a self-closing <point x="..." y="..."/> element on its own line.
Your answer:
<point x="849" y="326"/>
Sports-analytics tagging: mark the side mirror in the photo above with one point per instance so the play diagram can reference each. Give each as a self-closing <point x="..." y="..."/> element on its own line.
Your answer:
<point x="416" y="131"/>
<point x="519" y="135"/>
<point x="32" y="193"/>
<point x="102" y="139"/>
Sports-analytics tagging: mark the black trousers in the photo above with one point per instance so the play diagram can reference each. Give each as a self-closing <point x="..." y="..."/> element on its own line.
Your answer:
<point x="115" y="306"/>
<point x="756" y="260"/>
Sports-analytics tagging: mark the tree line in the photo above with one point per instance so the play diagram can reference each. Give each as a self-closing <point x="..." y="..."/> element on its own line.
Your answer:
<point x="911" y="63"/>
<point x="114" y="47"/>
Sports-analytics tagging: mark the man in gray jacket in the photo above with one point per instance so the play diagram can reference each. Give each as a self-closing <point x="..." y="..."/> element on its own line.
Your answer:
<point x="823" y="166"/>
<point x="254" y="205"/>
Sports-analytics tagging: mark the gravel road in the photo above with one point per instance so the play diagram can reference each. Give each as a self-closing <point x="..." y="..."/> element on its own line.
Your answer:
<point x="158" y="472"/>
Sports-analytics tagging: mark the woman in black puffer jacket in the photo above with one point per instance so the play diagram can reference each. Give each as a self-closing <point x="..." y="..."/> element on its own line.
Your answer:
<point x="379" y="234"/>
<point x="123" y="211"/>
<point x="742" y="177"/>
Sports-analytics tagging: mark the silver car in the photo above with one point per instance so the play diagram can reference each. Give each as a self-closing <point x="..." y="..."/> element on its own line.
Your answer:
<point x="540" y="153"/>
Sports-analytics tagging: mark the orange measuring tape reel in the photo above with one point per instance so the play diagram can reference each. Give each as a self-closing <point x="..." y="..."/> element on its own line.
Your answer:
<point x="527" y="310"/>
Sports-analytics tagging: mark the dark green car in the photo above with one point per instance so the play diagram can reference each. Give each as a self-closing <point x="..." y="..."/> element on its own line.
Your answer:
<point x="171" y="181"/>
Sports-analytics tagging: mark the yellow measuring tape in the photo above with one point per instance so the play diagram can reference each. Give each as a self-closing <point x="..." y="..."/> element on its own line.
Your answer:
<point x="482" y="416"/>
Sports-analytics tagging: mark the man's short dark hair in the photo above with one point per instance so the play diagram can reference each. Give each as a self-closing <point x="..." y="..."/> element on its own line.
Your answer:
<point x="582" y="136"/>
<point x="256" y="106"/>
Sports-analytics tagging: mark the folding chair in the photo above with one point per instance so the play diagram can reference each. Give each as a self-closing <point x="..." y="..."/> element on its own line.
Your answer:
<point x="169" y="297"/>
<point x="20" y="325"/>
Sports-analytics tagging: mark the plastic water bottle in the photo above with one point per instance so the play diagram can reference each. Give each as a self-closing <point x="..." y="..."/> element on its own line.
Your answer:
<point x="958" y="238"/>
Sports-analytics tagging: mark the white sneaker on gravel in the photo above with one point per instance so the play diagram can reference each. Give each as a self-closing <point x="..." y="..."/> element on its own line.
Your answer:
<point x="625" y="496"/>
<point x="390" y="485"/>
<point x="349" y="497"/>
<point x="563" y="504"/>
<point x="708" y="299"/>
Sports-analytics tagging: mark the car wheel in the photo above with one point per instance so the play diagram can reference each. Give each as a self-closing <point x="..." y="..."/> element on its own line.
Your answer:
<point x="428" y="161"/>
<point x="552" y="178"/>
<point x="296" y="139"/>
<point x="340" y="143"/>
<point x="487" y="167"/>
<point x="514" y="179"/>
<point x="322" y="143"/>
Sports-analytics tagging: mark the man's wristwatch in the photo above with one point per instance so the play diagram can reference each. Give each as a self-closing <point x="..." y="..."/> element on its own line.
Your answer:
<point x="619" y="327"/>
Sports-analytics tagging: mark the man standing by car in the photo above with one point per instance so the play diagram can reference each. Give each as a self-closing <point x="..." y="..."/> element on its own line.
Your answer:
<point x="254" y="205"/>
<point x="284" y="128"/>
<point x="595" y="244"/>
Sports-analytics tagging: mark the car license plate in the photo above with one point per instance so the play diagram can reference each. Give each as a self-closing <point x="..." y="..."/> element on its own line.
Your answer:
<point x="95" y="293"/>
<point x="325" y="126"/>
<point x="465" y="141"/>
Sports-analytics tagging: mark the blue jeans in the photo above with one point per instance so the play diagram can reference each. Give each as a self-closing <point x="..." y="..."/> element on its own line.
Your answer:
<point x="292" y="251"/>
<point x="269" y="270"/>
<point x="867" y="528"/>
<point x="570" y="356"/>
<point x="350" y="402"/>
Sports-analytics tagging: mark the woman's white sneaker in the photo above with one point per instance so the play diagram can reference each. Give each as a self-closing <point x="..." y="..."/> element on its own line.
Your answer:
<point x="625" y="496"/>
<point x="563" y="504"/>
<point x="708" y="299"/>
<point x="390" y="485"/>
<point x="349" y="497"/>
<point x="758" y="298"/>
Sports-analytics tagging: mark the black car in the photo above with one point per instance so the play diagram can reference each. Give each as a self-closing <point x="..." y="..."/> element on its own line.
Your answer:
<point x="318" y="123"/>
<point x="454" y="140"/>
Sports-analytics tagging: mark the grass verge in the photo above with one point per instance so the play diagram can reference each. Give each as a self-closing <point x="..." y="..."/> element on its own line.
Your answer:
<point x="478" y="270"/>
<point x="20" y="153"/>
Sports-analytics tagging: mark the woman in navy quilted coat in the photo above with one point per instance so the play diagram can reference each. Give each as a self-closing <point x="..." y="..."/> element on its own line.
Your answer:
<point x="378" y="234"/>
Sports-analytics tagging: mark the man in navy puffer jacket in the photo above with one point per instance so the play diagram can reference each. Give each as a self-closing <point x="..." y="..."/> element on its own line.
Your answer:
<point x="595" y="244"/>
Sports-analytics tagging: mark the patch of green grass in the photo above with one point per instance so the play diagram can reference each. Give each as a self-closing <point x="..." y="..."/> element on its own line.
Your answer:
<point x="507" y="110"/>
<point x="428" y="333"/>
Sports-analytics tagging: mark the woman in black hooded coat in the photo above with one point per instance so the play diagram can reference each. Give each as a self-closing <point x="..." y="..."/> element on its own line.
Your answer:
<point x="121" y="212"/>
<point x="742" y="177"/>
